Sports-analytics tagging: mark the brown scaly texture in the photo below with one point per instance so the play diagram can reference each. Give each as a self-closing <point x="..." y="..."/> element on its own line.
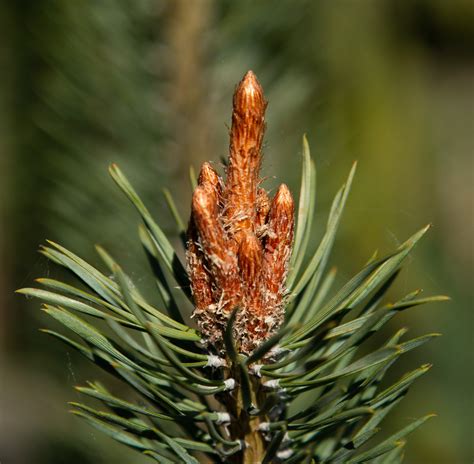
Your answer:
<point x="240" y="240"/>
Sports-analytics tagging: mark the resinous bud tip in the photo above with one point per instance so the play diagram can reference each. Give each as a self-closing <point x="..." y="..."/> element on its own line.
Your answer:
<point x="208" y="174"/>
<point x="249" y="95"/>
<point x="283" y="197"/>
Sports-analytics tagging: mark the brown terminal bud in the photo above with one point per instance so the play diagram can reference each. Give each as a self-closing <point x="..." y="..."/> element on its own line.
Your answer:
<point x="239" y="242"/>
<point x="246" y="137"/>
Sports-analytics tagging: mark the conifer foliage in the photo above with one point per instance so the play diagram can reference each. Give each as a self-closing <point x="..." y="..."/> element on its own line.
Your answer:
<point x="273" y="372"/>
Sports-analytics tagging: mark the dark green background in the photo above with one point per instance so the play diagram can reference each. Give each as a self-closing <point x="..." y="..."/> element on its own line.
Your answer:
<point x="148" y="84"/>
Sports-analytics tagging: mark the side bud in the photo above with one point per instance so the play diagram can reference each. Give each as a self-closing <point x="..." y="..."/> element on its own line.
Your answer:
<point x="278" y="245"/>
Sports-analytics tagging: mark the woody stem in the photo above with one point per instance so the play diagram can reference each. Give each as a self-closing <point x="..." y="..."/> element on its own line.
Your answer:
<point x="246" y="427"/>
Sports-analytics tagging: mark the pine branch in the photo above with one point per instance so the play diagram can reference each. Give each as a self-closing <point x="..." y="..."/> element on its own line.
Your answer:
<point x="236" y="388"/>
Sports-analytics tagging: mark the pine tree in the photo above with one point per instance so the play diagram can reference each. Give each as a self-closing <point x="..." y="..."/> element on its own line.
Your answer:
<point x="271" y="365"/>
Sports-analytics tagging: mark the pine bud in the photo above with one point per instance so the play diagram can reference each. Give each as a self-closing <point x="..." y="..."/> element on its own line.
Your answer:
<point x="246" y="137"/>
<point x="278" y="245"/>
<point x="239" y="242"/>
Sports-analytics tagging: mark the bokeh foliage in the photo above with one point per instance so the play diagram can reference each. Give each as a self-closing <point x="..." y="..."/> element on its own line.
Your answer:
<point x="147" y="84"/>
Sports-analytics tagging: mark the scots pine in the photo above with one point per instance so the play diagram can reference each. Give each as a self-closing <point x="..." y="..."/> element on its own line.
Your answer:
<point x="268" y="367"/>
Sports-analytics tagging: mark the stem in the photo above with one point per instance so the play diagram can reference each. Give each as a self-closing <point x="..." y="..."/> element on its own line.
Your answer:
<point x="245" y="427"/>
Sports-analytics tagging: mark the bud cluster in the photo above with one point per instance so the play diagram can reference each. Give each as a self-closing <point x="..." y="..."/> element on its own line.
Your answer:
<point x="239" y="240"/>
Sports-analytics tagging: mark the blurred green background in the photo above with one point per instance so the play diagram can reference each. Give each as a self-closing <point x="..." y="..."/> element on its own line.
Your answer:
<point x="148" y="84"/>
